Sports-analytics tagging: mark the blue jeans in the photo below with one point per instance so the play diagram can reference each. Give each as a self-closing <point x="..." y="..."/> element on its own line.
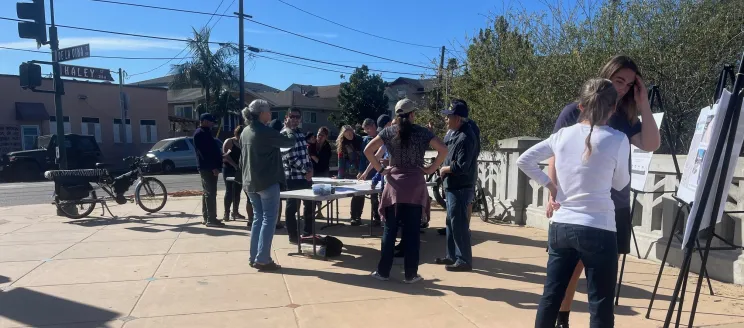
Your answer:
<point x="265" y="207"/>
<point x="410" y="216"/>
<point x="458" y="226"/>
<point x="597" y="249"/>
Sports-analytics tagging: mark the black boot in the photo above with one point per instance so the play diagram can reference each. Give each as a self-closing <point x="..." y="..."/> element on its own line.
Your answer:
<point x="562" y="321"/>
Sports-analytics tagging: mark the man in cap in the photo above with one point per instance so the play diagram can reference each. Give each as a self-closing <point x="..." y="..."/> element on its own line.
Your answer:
<point x="458" y="171"/>
<point x="209" y="163"/>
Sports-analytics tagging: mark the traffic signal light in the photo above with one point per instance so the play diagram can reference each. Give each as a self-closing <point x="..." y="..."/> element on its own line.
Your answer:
<point x="30" y="75"/>
<point x="36" y="27"/>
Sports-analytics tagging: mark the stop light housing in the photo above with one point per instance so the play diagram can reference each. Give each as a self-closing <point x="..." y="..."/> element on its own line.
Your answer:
<point x="35" y="26"/>
<point x="30" y="75"/>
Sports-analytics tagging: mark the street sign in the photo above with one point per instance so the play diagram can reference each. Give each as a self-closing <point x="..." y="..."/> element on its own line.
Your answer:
<point x="72" y="53"/>
<point x="85" y="72"/>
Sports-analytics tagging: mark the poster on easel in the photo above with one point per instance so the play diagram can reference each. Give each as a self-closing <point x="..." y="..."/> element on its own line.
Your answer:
<point x="640" y="160"/>
<point x="700" y="159"/>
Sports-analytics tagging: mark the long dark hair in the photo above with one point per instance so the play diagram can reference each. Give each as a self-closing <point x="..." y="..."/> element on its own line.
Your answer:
<point x="597" y="101"/>
<point x="405" y="127"/>
<point x="627" y="104"/>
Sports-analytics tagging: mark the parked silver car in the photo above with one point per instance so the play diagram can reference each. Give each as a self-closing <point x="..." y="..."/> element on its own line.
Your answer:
<point x="170" y="154"/>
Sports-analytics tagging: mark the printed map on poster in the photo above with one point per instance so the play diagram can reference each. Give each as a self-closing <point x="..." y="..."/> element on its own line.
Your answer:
<point x="709" y="163"/>
<point x="640" y="160"/>
<point x="698" y="147"/>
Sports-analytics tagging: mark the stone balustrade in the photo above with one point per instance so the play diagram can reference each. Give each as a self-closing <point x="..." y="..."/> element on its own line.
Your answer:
<point x="513" y="197"/>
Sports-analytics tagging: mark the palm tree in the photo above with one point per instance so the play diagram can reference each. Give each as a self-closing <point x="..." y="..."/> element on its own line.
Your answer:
<point x="214" y="72"/>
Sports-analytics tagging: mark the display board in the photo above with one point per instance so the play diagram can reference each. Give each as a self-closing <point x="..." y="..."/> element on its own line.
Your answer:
<point x="640" y="160"/>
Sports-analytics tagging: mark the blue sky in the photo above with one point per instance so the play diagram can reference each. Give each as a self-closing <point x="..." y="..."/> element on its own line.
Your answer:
<point x="434" y="22"/>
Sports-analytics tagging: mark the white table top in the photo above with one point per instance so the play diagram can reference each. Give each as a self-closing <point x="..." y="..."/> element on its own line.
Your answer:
<point x="359" y="189"/>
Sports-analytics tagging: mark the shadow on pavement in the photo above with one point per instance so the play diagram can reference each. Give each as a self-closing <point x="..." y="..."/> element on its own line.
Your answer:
<point x="33" y="308"/>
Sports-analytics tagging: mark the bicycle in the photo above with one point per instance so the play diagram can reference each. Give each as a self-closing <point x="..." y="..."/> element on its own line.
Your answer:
<point x="76" y="198"/>
<point x="480" y="203"/>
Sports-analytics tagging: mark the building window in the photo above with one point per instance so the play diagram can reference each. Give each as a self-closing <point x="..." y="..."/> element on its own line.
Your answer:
<point x="91" y="126"/>
<point x="148" y="131"/>
<point x="401" y="93"/>
<point x="278" y="115"/>
<point x="186" y="111"/>
<point x="309" y="117"/>
<point x="29" y="133"/>
<point x="122" y="132"/>
<point x="53" y="125"/>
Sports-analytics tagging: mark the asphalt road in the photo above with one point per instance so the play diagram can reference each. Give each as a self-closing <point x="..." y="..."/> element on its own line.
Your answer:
<point x="27" y="193"/>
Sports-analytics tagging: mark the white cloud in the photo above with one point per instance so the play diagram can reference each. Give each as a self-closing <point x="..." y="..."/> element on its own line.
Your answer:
<point x="105" y="44"/>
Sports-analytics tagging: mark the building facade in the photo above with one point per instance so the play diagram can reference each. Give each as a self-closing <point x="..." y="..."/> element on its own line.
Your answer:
<point x="90" y="108"/>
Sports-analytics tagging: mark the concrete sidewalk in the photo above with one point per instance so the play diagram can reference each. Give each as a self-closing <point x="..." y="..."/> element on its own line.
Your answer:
<point x="168" y="270"/>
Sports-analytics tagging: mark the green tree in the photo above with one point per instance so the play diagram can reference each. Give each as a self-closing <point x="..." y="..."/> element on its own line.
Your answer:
<point x="523" y="67"/>
<point x="363" y="96"/>
<point x="213" y="71"/>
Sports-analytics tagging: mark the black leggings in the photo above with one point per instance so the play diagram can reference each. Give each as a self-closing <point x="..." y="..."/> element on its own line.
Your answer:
<point x="232" y="192"/>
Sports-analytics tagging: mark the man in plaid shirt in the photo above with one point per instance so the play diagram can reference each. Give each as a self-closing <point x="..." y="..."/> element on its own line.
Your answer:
<point x="299" y="173"/>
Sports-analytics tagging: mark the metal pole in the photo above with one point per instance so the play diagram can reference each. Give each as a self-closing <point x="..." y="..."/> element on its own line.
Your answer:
<point x="241" y="57"/>
<point x="121" y="98"/>
<point x="58" y="92"/>
<point x="441" y="73"/>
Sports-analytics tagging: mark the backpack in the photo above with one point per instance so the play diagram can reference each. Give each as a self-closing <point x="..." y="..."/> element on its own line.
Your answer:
<point x="333" y="246"/>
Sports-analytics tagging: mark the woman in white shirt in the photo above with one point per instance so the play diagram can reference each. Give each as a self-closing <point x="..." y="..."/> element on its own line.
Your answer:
<point x="590" y="159"/>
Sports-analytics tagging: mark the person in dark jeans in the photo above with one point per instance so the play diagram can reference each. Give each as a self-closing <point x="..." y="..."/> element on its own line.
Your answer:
<point x="370" y="128"/>
<point x="298" y="170"/>
<point x="459" y="172"/>
<point x="209" y="163"/>
<point x="404" y="196"/>
<point x="230" y="168"/>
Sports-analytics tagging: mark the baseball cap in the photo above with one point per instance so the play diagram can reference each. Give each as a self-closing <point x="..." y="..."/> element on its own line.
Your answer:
<point x="405" y="106"/>
<point x="382" y="121"/>
<point x="457" y="107"/>
<point x="207" y="117"/>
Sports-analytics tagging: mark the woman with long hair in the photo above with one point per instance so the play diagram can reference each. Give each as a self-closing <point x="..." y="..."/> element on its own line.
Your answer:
<point x="405" y="195"/>
<point x="349" y="149"/>
<point x="632" y="101"/>
<point x="590" y="158"/>
<point x="230" y="168"/>
<point x="320" y="155"/>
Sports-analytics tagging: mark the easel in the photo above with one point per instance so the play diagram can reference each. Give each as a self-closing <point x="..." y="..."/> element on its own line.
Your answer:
<point x="654" y="98"/>
<point x="726" y="137"/>
<point x="727" y="72"/>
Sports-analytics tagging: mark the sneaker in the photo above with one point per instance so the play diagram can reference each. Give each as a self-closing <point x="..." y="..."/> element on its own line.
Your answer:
<point x="376" y="223"/>
<point x="271" y="266"/>
<point x="251" y="264"/>
<point x="237" y="216"/>
<point x="444" y="261"/>
<point x="250" y="223"/>
<point x="413" y="280"/>
<point x="226" y="218"/>
<point x="214" y="223"/>
<point x="356" y="222"/>
<point x="459" y="267"/>
<point x="561" y="325"/>
<point x="378" y="276"/>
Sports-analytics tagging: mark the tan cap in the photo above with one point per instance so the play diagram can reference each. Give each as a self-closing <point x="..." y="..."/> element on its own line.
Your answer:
<point x="404" y="106"/>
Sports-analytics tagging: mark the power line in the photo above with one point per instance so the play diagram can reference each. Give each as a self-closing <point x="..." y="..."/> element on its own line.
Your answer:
<point x="340" y="65"/>
<point x="298" y="64"/>
<point x="356" y="30"/>
<point x="249" y="18"/>
<point x="334" y="45"/>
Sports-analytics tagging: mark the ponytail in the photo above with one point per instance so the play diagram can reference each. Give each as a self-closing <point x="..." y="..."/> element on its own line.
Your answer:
<point x="597" y="103"/>
<point x="405" y="127"/>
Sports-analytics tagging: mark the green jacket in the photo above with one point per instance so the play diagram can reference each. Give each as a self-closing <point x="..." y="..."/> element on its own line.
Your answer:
<point x="261" y="159"/>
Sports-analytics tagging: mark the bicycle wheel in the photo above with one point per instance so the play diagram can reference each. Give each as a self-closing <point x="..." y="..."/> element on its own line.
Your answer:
<point x="439" y="191"/>
<point x="150" y="194"/>
<point x="481" y="204"/>
<point x="77" y="209"/>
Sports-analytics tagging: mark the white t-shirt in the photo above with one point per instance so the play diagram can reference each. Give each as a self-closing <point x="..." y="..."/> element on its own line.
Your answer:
<point x="583" y="186"/>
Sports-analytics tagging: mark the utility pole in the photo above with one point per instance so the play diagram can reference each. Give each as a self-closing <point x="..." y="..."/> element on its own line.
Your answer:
<point x="241" y="56"/>
<point x="441" y="72"/>
<point x="121" y="98"/>
<point x="59" y="90"/>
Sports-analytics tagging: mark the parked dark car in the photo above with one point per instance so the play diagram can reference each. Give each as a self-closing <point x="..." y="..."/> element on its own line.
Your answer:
<point x="82" y="153"/>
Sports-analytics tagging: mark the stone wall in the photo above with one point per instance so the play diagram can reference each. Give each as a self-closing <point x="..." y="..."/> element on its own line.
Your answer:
<point x="517" y="199"/>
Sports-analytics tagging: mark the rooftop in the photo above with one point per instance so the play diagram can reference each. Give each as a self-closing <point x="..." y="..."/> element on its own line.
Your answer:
<point x="164" y="81"/>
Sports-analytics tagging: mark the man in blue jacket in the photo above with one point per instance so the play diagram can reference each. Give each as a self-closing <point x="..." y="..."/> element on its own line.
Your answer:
<point x="459" y="172"/>
<point x="209" y="163"/>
